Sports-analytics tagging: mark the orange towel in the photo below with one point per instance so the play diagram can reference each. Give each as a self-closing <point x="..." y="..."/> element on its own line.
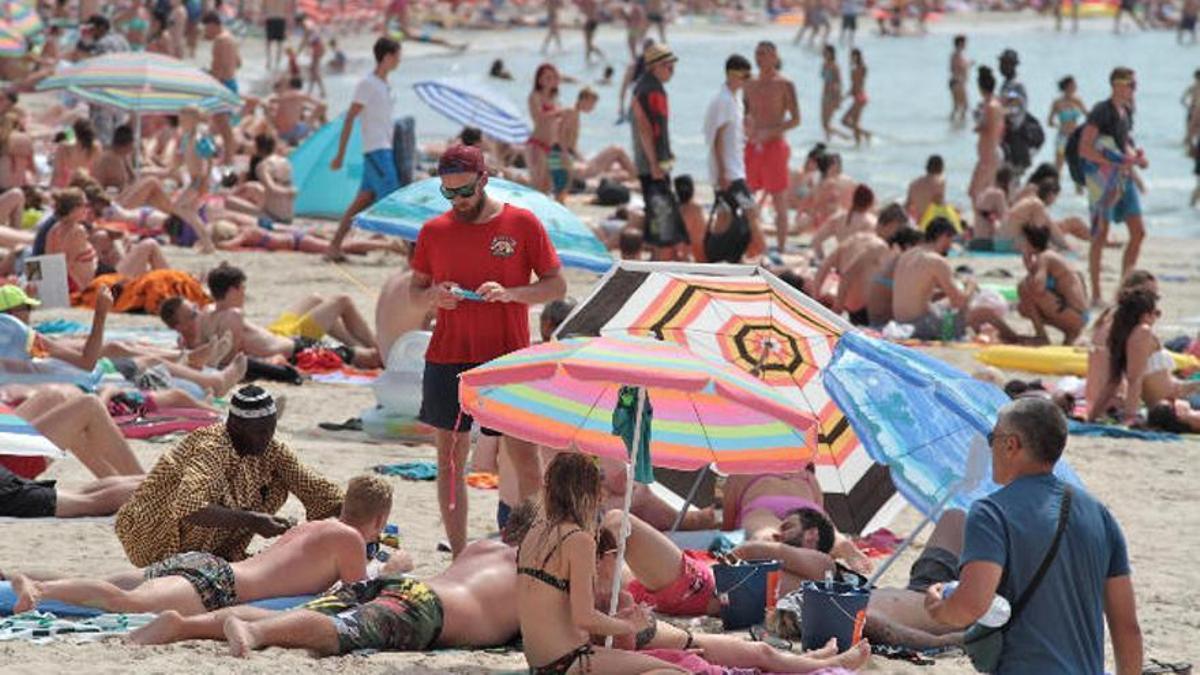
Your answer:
<point x="145" y="293"/>
<point x="482" y="480"/>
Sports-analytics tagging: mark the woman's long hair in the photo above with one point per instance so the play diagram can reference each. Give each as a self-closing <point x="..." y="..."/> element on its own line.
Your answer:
<point x="537" y="79"/>
<point x="571" y="491"/>
<point x="1131" y="307"/>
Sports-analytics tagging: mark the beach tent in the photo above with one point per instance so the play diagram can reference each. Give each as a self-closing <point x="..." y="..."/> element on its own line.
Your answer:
<point x="320" y="191"/>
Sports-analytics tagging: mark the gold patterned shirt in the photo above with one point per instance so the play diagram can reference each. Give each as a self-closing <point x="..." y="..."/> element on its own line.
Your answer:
<point x="205" y="470"/>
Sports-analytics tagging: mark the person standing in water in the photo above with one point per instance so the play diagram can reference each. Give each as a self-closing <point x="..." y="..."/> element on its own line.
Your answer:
<point x="773" y="110"/>
<point x="553" y="34"/>
<point x="591" y="21"/>
<point x="857" y="96"/>
<point x="831" y="92"/>
<point x="990" y="127"/>
<point x="1065" y="115"/>
<point x="960" y="73"/>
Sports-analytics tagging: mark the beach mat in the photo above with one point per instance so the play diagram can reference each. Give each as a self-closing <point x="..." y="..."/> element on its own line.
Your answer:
<point x="8" y="599"/>
<point x="45" y="627"/>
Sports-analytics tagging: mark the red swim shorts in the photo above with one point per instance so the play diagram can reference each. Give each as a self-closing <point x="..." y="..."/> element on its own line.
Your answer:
<point x="767" y="165"/>
<point x="688" y="595"/>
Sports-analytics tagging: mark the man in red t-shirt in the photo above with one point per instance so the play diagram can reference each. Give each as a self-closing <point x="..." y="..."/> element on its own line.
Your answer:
<point x="474" y="264"/>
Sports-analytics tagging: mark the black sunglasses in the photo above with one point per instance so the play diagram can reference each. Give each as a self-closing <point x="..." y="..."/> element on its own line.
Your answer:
<point x="464" y="191"/>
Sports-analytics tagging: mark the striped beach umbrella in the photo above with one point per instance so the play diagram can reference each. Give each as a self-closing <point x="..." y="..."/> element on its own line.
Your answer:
<point x="473" y="104"/>
<point x="562" y="394"/>
<point x="140" y="71"/>
<point x="20" y="17"/>
<point x="405" y="211"/>
<point x="150" y="101"/>
<point x="12" y="45"/>
<point x="747" y="317"/>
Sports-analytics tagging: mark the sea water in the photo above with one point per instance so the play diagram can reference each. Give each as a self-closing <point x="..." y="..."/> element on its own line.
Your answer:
<point x="907" y="86"/>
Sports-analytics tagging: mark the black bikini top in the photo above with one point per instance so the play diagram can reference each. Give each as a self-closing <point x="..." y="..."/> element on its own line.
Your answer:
<point x="542" y="575"/>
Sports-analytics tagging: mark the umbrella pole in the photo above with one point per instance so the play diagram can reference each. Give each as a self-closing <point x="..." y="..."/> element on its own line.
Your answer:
<point x="625" y="527"/>
<point x="137" y="140"/>
<point x="687" y="501"/>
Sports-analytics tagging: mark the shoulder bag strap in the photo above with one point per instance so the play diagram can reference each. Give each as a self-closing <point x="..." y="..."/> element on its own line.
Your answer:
<point x="1064" y="513"/>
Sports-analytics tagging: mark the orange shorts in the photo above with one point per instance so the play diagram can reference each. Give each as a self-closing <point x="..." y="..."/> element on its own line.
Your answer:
<point x="767" y="165"/>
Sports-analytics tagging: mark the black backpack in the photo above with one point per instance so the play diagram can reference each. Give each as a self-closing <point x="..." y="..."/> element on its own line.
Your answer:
<point x="1071" y="156"/>
<point x="730" y="244"/>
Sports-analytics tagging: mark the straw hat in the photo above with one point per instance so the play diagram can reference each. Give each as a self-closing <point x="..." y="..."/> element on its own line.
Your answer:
<point x="658" y="53"/>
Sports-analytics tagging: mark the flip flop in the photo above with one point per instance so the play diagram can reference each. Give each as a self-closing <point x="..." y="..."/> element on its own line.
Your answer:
<point x="760" y="633"/>
<point x="352" y="424"/>
<point x="1163" y="668"/>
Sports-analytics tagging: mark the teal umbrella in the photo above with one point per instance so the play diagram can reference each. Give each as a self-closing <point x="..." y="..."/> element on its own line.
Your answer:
<point x="624" y="418"/>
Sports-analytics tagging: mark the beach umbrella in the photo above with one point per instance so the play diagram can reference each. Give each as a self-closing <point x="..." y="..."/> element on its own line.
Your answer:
<point x="745" y="316"/>
<point x="405" y="211"/>
<point x="320" y="191"/>
<point x="12" y="44"/>
<point x="20" y="17"/>
<point x="926" y="420"/>
<point x="140" y="71"/>
<point x="19" y="438"/>
<point x="150" y="101"/>
<point x="473" y="104"/>
<point x="564" y="394"/>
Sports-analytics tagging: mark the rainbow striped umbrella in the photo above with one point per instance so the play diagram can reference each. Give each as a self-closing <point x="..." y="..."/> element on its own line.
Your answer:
<point x="12" y="45"/>
<point x="150" y="101"/>
<point x="563" y="394"/>
<point x="141" y="72"/>
<point x="20" y="17"/>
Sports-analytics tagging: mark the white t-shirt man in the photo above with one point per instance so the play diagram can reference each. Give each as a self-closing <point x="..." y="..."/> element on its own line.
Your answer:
<point x="727" y="115"/>
<point x="375" y="96"/>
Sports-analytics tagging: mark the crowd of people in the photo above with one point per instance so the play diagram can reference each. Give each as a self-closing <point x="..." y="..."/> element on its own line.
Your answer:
<point x="114" y="201"/>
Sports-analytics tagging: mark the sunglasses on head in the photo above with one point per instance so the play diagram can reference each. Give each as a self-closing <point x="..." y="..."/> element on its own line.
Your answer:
<point x="464" y="191"/>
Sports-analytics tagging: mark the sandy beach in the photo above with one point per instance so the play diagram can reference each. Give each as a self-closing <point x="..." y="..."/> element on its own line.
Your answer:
<point x="1149" y="486"/>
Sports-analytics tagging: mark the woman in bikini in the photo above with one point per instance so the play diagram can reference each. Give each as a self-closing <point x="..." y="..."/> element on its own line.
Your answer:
<point x="857" y="96"/>
<point x="1098" y="362"/>
<point x="769" y="507"/>
<point x="1137" y="357"/>
<point x="556" y="570"/>
<point x="1053" y="292"/>
<point x="16" y="153"/>
<point x="831" y="93"/>
<point x="1066" y="114"/>
<point x="544" y="110"/>
<point x="72" y="157"/>
<point x="230" y="237"/>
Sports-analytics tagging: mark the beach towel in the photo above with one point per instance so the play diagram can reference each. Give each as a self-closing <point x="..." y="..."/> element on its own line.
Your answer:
<point x="1077" y="428"/>
<point x="409" y="470"/>
<point x="483" y="480"/>
<point x="45" y="627"/>
<point x="162" y="337"/>
<point x="144" y="293"/>
<point x="165" y="421"/>
<point x="348" y="375"/>
<point x="878" y="544"/>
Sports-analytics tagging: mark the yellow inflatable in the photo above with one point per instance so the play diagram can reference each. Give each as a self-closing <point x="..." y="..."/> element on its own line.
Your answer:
<point x="943" y="210"/>
<point x="1054" y="360"/>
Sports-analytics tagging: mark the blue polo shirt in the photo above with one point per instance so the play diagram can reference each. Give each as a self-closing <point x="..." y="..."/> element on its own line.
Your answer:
<point x="1061" y="630"/>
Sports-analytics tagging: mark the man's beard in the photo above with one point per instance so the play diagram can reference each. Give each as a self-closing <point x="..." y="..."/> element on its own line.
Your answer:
<point x="469" y="215"/>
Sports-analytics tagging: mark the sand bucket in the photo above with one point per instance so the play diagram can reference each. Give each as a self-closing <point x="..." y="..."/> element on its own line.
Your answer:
<point x="832" y="609"/>
<point x="746" y="590"/>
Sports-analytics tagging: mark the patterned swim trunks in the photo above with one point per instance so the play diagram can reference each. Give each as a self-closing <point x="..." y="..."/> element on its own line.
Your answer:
<point x="211" y="576"/>
<point x="389" y="613"/>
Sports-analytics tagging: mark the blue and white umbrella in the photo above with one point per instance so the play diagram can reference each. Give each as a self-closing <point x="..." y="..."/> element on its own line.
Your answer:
<point x="473" y="104"/>
<point x="405" y="211"/>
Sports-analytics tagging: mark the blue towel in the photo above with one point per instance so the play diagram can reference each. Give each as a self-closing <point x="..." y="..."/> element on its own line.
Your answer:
<point x="409" y="470"/>
<point x="8" y="598"/>
<point x="1077" y="428"/>
<point x="57" y="326"/>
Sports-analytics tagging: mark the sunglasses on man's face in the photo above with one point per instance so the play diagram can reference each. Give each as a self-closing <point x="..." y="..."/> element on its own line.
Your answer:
<point x="467" y="190"/>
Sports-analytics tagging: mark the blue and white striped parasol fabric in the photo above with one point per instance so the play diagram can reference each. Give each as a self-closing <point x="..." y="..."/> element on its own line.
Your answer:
<point x="473" y="104"/>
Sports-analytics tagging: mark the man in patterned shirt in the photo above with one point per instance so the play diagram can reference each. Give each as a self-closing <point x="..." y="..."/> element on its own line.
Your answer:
<point x="220" y="486"/>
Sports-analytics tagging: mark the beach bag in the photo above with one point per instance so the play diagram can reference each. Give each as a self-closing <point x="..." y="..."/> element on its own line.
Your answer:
<point x="985" y="644"/>
<point x="611" y="193"/>
<point x="728" y="233"/>
<point x="1072" y="158"/>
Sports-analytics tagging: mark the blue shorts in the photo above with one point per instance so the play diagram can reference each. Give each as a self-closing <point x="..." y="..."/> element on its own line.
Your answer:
<point x="1128" y="206"/>
<point x="379" y="174"/>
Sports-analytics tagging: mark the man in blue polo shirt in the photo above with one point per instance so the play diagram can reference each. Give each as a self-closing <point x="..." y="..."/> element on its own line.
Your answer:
<point x="1008" y="534"/>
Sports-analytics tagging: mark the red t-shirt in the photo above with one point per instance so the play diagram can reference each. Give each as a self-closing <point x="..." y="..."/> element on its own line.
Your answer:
<point x="506" y="249"/>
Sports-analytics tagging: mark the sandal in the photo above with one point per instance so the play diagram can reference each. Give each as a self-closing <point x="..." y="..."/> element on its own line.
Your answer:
<point x="352" y="424"/>
<point x="760" y="633"/>
<point x="1157" y="667"/>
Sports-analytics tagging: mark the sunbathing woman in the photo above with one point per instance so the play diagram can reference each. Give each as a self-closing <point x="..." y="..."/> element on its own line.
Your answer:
<point x="764" y="506"/>
<point x="1098" y="361"/>
<point x="1053" y="292"/>
<point x="1176" y="417"/>
<point x="229" y="237"/>
<point x="1136" y="355"/>
<point x="556" y="568"/>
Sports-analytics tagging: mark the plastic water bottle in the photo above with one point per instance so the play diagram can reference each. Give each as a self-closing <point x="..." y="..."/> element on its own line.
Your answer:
<point x="996" y="616"/>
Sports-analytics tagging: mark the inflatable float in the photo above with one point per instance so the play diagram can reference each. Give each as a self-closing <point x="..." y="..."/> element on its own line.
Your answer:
<point x="1054" y="360"/>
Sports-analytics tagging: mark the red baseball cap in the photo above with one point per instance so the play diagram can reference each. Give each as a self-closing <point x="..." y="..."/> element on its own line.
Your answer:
<point x="461" y="159"/>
